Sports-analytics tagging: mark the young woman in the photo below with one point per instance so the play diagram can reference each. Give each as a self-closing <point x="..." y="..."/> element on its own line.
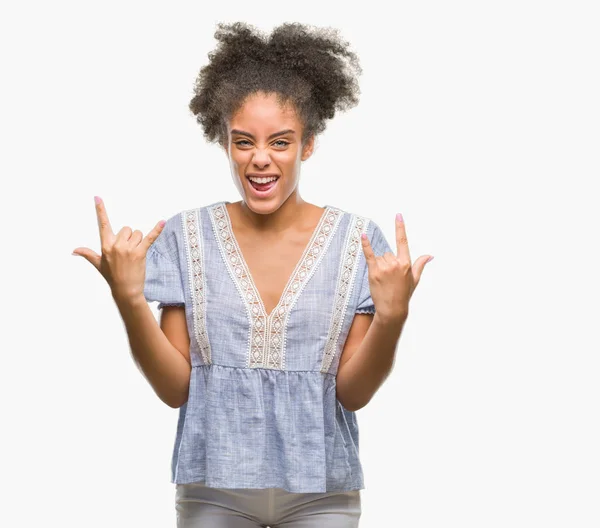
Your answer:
<point x="280" y="318"/>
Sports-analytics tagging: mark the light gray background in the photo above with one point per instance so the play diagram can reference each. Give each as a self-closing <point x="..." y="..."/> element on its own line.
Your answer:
<point x="478" y="121"/>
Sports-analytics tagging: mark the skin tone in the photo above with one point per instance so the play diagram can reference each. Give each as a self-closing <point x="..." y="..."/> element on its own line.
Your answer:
<point x="263" y="137"/>
<point x="253" y="146"/>
<point x="392" y="278"/>
<point x="367" y="362"/>
<point x="162" y="357"/>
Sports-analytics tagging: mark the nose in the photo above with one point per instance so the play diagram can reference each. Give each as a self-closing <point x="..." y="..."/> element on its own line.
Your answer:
<point x="261" y="158"/>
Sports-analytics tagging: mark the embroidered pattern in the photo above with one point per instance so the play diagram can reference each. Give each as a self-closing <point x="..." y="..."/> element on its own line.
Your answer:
<point x="346" y="279"/>
<point x="266" y="343"/>
<point x="304" y="270"/>
<point x="243" y="281"/>
<point x="193" y="244"/>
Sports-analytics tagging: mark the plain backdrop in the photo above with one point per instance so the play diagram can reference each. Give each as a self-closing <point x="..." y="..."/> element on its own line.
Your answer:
<point x="478" y="121"/>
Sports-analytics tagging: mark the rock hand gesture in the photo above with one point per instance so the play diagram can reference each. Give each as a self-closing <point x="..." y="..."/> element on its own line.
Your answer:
<point x="123" y="259"/>
<point x="392" y="278"/>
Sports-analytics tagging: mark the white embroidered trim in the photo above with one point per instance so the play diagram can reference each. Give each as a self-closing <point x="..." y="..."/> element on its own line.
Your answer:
<point x="266" y="342"/>
<point x="304" y="270"/>
<point x="195" y="259"/>
<point x="243" y="282"/>
<point x="345" y="283"/>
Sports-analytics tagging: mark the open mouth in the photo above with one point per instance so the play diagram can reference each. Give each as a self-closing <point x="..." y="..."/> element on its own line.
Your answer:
<point x="263" y="184"/>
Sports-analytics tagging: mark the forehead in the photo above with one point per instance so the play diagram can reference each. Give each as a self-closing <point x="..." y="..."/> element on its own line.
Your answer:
<point x="263" y="113"/>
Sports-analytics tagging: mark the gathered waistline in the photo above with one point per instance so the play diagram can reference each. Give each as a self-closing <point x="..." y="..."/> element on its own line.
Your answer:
<point x="261" y="368"/>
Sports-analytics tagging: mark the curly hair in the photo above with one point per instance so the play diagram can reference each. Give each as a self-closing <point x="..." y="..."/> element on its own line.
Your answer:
<point x="311" y="67"/>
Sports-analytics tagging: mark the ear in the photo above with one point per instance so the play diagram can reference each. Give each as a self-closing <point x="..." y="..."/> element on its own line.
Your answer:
<point x="308" y="148"/>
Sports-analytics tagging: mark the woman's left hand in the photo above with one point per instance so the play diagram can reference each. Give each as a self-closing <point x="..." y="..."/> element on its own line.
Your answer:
<point x="392" y="278"/>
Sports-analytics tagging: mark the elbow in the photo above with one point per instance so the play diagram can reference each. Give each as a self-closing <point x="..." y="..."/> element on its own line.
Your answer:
<point x="175" y="401"/>
<point x="350" y="405"/>
<point x="178" y="397"/>
<point x="350" y="401"/>
<point x="354" y="406"/>
<point x="175" y="404"/>
<point x="172" y="404"/>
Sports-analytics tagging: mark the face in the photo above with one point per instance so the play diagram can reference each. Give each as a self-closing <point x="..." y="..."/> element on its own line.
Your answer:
<point x="264" y="144"/>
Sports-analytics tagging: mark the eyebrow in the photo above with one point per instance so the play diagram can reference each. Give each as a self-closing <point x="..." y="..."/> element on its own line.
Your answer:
<point x="242" y="133"/>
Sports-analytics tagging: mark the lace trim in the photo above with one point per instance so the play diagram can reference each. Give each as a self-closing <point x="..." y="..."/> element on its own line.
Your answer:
<point x="241" y="278"/>
<point x="193" y="243"/>
<point x="304" y="270"/>
<point x="345" y="282"/>
<point x="266" y="340"/>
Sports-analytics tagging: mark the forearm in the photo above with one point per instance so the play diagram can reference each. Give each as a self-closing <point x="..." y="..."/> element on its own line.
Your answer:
<point x="165" y="368"/>
<point x="361" y="376"/>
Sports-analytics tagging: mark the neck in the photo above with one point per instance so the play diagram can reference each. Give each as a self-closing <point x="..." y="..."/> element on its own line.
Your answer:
<point x="278" y="221"/>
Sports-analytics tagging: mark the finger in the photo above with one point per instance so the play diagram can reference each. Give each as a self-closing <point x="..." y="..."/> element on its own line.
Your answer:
<point x="401" y="240"/>
<point x="124" y="234"/>
<point x="90" y="256"/>
<point x="149" y="239"/>
<point x="367" y="250"/>
<point x="136" y="238"/>
<point x="389" y="257"/>
<point x="418" y="266"/>
<point x="103" y="223"/>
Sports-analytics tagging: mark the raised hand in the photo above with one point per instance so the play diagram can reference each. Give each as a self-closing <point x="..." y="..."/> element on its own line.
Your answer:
<point x="392" y="278"/>
<point x="123" y="259"/>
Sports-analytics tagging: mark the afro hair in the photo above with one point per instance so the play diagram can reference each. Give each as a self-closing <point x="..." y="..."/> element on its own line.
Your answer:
<point x="313" y="68"/>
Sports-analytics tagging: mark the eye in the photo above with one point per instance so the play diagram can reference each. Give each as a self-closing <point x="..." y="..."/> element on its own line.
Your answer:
<point x="241" y="141"/>
<point x="282" y="143"/>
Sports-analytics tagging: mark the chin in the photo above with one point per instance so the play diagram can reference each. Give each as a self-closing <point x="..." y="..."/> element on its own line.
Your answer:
<point x="262" y="206"/>
<point x="267" y="204"/>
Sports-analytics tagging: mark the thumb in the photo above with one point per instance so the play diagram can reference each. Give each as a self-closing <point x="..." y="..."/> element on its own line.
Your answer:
<point x="89" y="255"/>
<point x="418" y="267"/>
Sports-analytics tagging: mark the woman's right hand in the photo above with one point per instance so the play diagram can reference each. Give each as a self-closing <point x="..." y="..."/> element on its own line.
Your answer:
<point x="123" y="259"/>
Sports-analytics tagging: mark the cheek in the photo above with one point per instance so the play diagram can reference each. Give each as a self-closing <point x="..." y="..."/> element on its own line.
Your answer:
<point x="238" y="159"/>
<point x="288" y="159"/>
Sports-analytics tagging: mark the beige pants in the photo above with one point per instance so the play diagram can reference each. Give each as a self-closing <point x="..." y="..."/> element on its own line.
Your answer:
<point x="199" y="506"/>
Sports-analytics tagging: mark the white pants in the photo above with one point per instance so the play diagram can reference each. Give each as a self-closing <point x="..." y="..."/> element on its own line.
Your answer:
<point x="199" y="506"/>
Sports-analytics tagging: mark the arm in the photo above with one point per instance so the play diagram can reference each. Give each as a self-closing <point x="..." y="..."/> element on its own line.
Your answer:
<point x="160" y="352"/>
<point x="368" y="355"/>
<point x="367" y="358"/>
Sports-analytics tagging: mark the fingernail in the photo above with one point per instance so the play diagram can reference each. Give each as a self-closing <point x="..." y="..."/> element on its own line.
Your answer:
<point x="76" y="254"/>
<point x="162" y="223"/>
<point x="97" y="199"/>
<point x="399" y="217"/>
<point x="429" y="259"/>
<point x="363" y="236"/>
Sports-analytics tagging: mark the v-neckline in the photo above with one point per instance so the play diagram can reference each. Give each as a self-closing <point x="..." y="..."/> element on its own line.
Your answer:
<point x="299" y="264"/>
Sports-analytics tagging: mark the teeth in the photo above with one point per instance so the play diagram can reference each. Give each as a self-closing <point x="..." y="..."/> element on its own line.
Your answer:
<point x="262" y="180"/>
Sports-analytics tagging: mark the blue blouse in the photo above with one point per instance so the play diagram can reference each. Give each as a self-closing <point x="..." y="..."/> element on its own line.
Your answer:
<point x="262" y="408"/>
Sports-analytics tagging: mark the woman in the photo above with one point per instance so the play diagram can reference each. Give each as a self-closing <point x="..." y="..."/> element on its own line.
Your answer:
<point x="280" y="318"/>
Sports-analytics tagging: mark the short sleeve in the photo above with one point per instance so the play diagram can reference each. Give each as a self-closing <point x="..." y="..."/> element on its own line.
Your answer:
<point x="380" y="246"/>
<point x="163" y="274"/>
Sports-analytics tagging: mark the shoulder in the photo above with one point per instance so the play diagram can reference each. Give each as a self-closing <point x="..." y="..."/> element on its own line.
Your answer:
<point x="177" y="221"/>
<point x="362" y="222"/>
<point x="177" y="226"/>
